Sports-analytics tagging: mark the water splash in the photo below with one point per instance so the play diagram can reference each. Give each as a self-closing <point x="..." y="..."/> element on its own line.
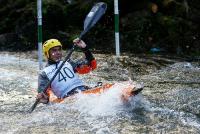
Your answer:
<point x="108" y="103"/>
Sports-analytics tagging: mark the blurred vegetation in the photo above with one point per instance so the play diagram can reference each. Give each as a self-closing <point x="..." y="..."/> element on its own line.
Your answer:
<point x="170" y="26"/>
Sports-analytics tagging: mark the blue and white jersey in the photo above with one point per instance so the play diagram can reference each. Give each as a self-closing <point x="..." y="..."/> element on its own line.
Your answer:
<point x="65" y="81"/>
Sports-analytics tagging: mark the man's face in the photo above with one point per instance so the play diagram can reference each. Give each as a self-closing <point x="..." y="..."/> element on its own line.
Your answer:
<point x="55" y="54"/>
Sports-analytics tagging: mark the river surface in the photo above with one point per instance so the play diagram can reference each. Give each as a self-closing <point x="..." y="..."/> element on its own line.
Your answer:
<point x="169" y="103"/>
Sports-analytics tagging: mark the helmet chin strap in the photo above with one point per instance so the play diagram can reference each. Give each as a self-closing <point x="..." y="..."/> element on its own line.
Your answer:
<point x="51" y="61"/>
<point x="55" y="60"/>
<point x="58" y="60"/>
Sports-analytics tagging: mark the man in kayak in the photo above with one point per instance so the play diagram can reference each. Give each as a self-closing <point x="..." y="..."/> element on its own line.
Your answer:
<point x="67" y="81"/>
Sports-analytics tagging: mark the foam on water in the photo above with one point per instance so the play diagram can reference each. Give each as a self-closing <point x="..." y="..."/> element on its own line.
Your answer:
<point x="187" y="119"/>
<point x="104" y="104"/>
<point x="6" y="74"/>
<point x="11" y="59"/>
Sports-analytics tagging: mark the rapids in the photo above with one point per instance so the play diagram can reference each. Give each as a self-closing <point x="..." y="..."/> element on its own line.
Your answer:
<point x="169" y="103"/>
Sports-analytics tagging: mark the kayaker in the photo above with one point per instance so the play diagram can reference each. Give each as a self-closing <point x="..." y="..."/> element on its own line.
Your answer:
<point x="67" y="81"/>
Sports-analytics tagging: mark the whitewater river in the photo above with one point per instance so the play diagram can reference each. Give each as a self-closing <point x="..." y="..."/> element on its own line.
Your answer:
<point x="169" y="103"/>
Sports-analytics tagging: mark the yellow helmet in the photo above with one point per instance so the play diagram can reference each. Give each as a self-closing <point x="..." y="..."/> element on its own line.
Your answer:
<point x="50" y="44"/>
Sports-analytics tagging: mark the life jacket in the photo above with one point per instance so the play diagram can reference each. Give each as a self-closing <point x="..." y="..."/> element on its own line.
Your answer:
<point x="65" y="81"/>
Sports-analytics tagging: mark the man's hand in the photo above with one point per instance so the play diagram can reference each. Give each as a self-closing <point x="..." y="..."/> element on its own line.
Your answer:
<point x="43" y="98"/>
<point x="80" y="43"/>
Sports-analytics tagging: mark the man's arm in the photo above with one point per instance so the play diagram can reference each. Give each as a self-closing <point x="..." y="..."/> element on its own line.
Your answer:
<point x="86" y="65"/>
<point x="42" y="83"/>
<point x="89" y="63"/>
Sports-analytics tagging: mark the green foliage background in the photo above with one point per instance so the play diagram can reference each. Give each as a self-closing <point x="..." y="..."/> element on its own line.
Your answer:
<point x="173" y="27"/>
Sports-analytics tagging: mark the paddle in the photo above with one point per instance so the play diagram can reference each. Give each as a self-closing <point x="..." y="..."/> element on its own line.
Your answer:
<point x="91" y="19"/>
<point x="135" y="92"/>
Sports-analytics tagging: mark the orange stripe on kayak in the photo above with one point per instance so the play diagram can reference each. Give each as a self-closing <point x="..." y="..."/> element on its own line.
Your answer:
<point x="98" y="90"/>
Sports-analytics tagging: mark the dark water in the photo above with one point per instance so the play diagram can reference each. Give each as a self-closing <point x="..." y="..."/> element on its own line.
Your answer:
<point x="169" y="103"/>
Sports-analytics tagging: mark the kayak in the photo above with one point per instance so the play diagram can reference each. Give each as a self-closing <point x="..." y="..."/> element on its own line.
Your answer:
<point x="127" y="90"/>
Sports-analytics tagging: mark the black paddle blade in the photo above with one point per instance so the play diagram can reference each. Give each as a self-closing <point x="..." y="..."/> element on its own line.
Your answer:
<point x="33" y="106"/>
<point x="137" y="91"/>
<point x="93" y="16"/>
